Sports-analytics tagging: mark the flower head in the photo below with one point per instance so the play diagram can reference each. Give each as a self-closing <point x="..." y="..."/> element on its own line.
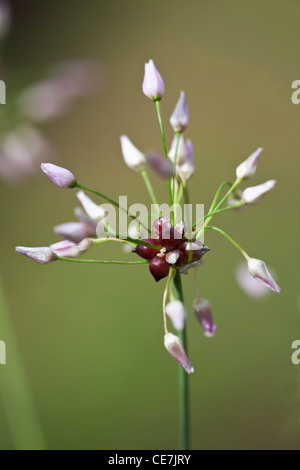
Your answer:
<point x="247" y="169"/>
<point x="60" y="176"/>
<point x="254" y="194"/>
<point x="133" y="157"/>
<point x="180" y="118"/>
<point x="153" y="84"/>
<point x="174" y="346"/>
<point x="248" y="284"/>
<point x="258" y="270"/>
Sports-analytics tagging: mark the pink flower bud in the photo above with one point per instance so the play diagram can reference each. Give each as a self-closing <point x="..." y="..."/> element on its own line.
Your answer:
<point x="247" y="169"/>
<point x="94" y="211"/>
<point x="133" y="157"/>
<point x="174" y="346"/>
<point x="177" y="314"/>
<point x="68" y="249"/>
<point x="187" y="169"/>
<point x="180" y="118"/>
<point x="153" y="84"/>
<point x="60" y="176"/>
<point x="41" y="255"/>
<point x="254" y="194"/>
<point x="203" y="312"/>
<point x="181" y="151"/>
<point x="248" y="284"/>
<point x="74" y="231"/>
<point x="258" y="270"/>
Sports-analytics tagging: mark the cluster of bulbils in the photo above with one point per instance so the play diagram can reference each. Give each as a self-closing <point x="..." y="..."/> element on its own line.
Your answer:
<point x="169" y="250"/>
<point x="173" y="249"/>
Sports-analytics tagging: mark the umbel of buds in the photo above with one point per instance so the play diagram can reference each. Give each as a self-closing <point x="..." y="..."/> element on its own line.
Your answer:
<point x="173" y="249"/>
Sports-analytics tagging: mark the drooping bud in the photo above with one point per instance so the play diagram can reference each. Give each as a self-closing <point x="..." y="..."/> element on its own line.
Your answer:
<point x="247" y="169"/>
<point x="133" y="157"/>
<point x="177" y="314"/>
<point x="159" y="268"/>
<point x="41" y="255"/>
<point x="181" y="150"/>
<point x="203" y="312"/>
<point x="248" y="284"/>
<point x="74" y="231"/>
<point x="153" y="84"/>
<point x="255" y="193"/>
<point x="60" y="176"/>
<point x="174" y="346"/>
<point x="180" y="118"/>
<point x="258" y="270"/>
<point x="145" y="251"/>
<point x="94" y="211"/>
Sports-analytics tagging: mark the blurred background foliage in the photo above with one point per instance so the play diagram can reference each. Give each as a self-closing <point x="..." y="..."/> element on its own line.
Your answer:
<point x="91" y="337"/>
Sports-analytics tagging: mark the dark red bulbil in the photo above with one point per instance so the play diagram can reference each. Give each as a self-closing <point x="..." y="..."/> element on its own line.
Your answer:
<point x="159" y="268"/>
<point x="146" y="252"/>
<point x="159" y="226"/>
<point x="171" y="239"/>
<point x="193" y="251"/>
<point x="173" y="248"/>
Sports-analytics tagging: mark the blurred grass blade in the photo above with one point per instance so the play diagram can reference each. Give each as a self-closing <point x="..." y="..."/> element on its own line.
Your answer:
<point x="15" y="394"/>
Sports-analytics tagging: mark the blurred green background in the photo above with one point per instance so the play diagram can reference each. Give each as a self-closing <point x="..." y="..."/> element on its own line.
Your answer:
<point x="91" y="337"/>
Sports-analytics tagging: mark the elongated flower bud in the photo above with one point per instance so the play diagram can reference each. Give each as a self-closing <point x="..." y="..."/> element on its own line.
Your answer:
<point x="203" y="312"/>
<point x="177" y="314"/>
<point x="174" y="346"/>
<point x="133" y="157"/>
<point x="94" y="211"/>
<point x="258" y="270"/>
<point x="68" y="249"/>
<point x="180" y="118"/>
<point x="41" y="255"/>
<point x="181" y="151"/>
<point x="153" y="84"/>
<point x="60" y="176"/>
<point x="247" y="169"/>
<point x="254" y="194"/>
<point x="74" y="231"/>
<point x="187" y="169"/>
<point x="248" y="284"/>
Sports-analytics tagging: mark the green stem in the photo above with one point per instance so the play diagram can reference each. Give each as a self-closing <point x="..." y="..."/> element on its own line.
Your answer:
<point x="163" y="137"/>
<point x="230" y="191"/>
<point x="234" y="206"/>
<point x="175" y="166"/>
<point x="183" y="379"/>
<point x="217" y="195"/>
<point x="132" y="241"/>
<point x="111" y="201"/>
<point x="229" y="238"/>
<point x="18" y="402"/>
<point x="98" y="261"/>
<point x="149" y="186"/>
